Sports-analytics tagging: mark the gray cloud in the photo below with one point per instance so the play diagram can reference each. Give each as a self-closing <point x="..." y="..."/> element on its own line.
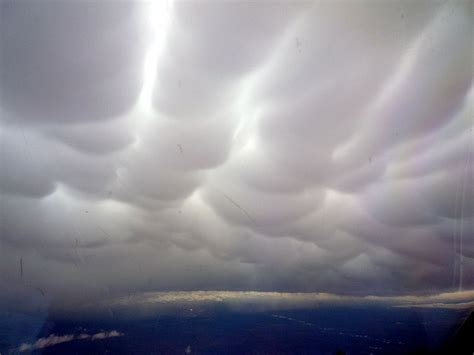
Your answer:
<point x="307" y="147"/>
<point x="70" y="62"/>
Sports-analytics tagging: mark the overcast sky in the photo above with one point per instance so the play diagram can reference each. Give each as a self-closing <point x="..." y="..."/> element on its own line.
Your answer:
<point x="267" y="146"/>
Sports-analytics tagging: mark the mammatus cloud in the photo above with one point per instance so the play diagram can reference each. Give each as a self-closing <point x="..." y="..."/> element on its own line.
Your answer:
<point x="53" y="339"/>
<point x="275" y="147"/>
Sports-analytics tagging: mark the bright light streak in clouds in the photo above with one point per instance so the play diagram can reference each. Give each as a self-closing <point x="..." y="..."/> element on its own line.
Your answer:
<point x="158" y="22"/>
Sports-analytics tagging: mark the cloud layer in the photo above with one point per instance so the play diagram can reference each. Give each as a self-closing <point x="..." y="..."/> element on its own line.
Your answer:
<point x="192" y="303"/>
<point x="324" y="147"/>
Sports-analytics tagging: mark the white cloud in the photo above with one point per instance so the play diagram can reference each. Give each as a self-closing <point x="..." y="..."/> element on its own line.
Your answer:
<point x="189" y="302"/>
<point x="54" y="339"/>
<point x="105" y="335"/>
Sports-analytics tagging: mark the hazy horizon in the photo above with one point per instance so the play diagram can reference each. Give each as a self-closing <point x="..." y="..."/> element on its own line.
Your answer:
<point x="241" y="154"/>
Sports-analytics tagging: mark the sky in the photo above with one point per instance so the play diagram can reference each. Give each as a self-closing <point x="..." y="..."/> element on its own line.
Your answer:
<point x="265" y="146"/>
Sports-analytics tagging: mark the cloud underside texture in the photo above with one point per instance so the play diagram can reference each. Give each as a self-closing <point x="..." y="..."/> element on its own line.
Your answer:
<point x="273" y="146"/>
